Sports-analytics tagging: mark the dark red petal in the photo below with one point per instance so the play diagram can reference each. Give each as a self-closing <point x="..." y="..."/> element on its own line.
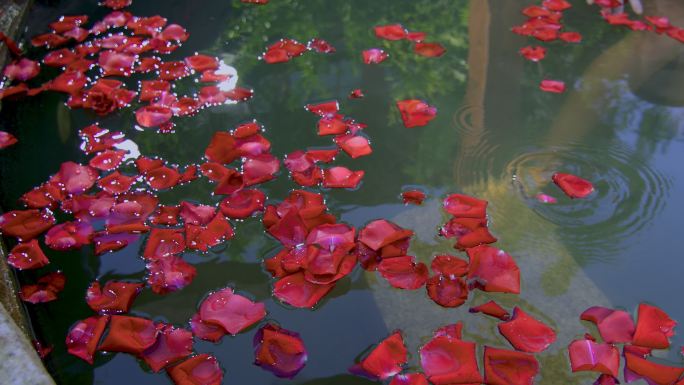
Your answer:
<point x="384" y="360"/>
<point x="173" y="344"/>
<point x="533" y="53"/>
<point x="493" y="270"/>
<point x="169" y="274"/>
<point x="131" y="335"/>
<point x="115" y="63"/>
<point x="449" y="265"/>
<point x="507" y="367"/>
<point x="69" y="236"/>
<point x="403" y="272"/>
<point x="28" y="255"/>
<point x="390" y="32"/>
<point x="450" y="361"/>
<point x="116" y="183"/>
<point x="409" y="379"/>
<point x="429" y="49"/>
<point x="447" y="291"/>
<point x="259" y="169"/>
<point x="553" y="86"/>
<point x="606" y="379"/>
<point x="116" y="4"/>
<point x="653" y="328"/>
<point x="654" y="373"/>
<point x="526" y="333"/>
<point x="114" y="297"/>
<point x="374" y="56"/>
<point x="25" y="224"/>
<point x="84" y="336"/>
<point x="586" y="355"/>
<point x="197" y="214"/>
<point x="615" y="326"/>
<point x="324" y="109"/>
<point x="233" y="312"/>
<point x="201" y="369"/>
<point x="152" y="89"/>
<point x="571" y="37"/>
<point x="415" y="197"/>
<point x="279" y="351"/>
<point x="166" y="215"/>
<point x="320" y="46"/>
<point x="416" y="113"/>
<point x="164" y="242"/>
<point x="243" y="204"/>
<point x="295" y="290"/>
<point x="45" y="290"/>
<point x="107" y="160"/>
<point x="356" y="94"/>
<point x="493" y="309"/>
<point x="572" y="185"/>
<point x="556" y="5"/>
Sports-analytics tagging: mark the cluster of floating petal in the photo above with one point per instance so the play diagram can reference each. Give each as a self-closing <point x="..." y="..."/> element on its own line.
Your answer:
<point x="652" y="330"/>
<point x="395" y="32"/>
<point x="448" y="359"/>
<point x="304" y="165"/>
<point x="120" y="45"/>
<point x="285" y="50"/>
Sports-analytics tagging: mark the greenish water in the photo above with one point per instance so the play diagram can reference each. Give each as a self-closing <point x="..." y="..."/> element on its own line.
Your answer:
<point x="496" y="136"/>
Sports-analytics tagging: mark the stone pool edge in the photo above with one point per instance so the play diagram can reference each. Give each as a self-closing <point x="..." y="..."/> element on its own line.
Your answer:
<point x="19" y="362"/>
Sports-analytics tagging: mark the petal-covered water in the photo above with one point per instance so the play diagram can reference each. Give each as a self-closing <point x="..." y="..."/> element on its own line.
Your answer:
<point x="151" y="160"/>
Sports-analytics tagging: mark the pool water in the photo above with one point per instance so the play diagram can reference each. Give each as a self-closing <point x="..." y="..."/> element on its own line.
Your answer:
<point x="496" y="137"/>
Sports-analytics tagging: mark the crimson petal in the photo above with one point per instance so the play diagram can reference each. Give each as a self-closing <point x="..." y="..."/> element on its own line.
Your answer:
<point x="172" y="344"/>
<point x="84" y="336"/>
<point x="653" y="328"/>
<point x="586" y="355"/>
<point x="131" y="335"/>
<point x="26" y="256"/>
<point x="384" y="360"/>
<point x="493" y="309"/>
<point x="615" y="326"/>
<point x="450" y="361"/>
<point x="201" y="369"/>
<point x="526" y="333"/>
<point x="572" y="185"/>
<point x="231" y="311"/>
<point x="114" y="297"/>
<point x="25" y="224"/>
<point x="493" y="270"/>
<point x="403" y="272"/>
<point x="416" y="113"/>
<point x="507" y="367"/>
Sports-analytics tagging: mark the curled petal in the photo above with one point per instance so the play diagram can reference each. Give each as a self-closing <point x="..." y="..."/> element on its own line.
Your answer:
<point x="403" y="272"/>
<point x="447" y="291"/>
<point x="507" y="367"/>
<point x="172" y="345"/>
<point x="233" y="312"/>
<point x="114" y="297"/>
<point x="26" y="256"/>
<point x="131" y="335"/>
<point x="586" y="355"/>
<point x="384" y="360"/>
<point x="416" y="113"/>
<point x="84" y="336"/>
<point x="201" y="369"/>
<point x="572" y="185"/>
<point x="493" y="270"/>
<point x="279" y="351"/>
<point x="295" y="290"/>
<point x="493" y="309"/>
<point x="653" y="328"/>
<point x="450" y="361"/>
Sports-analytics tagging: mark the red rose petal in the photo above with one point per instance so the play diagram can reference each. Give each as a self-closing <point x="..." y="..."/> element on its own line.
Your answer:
<point x="131" y="335"/>
<point x="384" y="360"/>
<point x="153" y="116"/>
<point x="415" y="197"/>
<point x="429" y="49"/>
<point x="533" y="53"/>
<point x="7" y="139"/>
<point x="76" y="178"/>
<point x="403" y="272"/>
<point x="374" y="56"/>
<point x="449" y="265"/>
<point x="295" y="290"/>
<point x="572" y="185"/>
<point x="354" y="145"/>
<point x="553" y="86"/>
<point x="356" y="94"/>
<point x="26" y="256"/>
<point x="464" y="206"/>
<point x="526" y="333"/>
<point x="416" y="113"/>
<point x="447" y="291"/>
<point x="173" y="344"/>
<point x="45" y="290"/>
<point x="22" y="70"/>
<point x="114" y="297"/>
<point x="260" y="168"/>
<point x="571" y="37"/>
<point x="390" y="32"/>
<point x="507" y="367"/>
<point x="243" y="204"/>
<point x="653" y="328"/>
<point x="206" y="331"/>
<point x="450" y="361"/>
<point x="586" y="355"/>
<point x="654" y="373"/>
<point x="84" y="336"/>
<point x="69" y="236"/>
<point x="381" y="232"/>
<point x="25" y="224"/>
<point x="324" y="109"/>
<point x="201" y="369"/>
<point x="233" y="312"/>
<point x="279" y="351"/>
<point x="202" y="63"/>
<point x="116" y="183"/>
<point x="493" y="309"/>
<point x="493" y="270"/>
<point x="341" y="177"/>
<point x="169" y="274"/>
<point x="615" y="326"/>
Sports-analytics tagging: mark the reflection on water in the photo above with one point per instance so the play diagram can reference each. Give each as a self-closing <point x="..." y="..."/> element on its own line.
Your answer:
<point x="496" y="137"/>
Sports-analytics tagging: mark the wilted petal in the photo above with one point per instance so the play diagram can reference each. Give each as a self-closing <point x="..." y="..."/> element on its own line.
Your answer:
<point x="201" y="369"/>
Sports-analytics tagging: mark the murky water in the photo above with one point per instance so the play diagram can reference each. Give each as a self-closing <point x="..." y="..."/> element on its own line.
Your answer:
<point x="495" y="137"/>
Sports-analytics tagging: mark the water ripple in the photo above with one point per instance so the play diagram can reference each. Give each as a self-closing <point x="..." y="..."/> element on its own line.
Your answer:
<point x="629" y="193"/>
